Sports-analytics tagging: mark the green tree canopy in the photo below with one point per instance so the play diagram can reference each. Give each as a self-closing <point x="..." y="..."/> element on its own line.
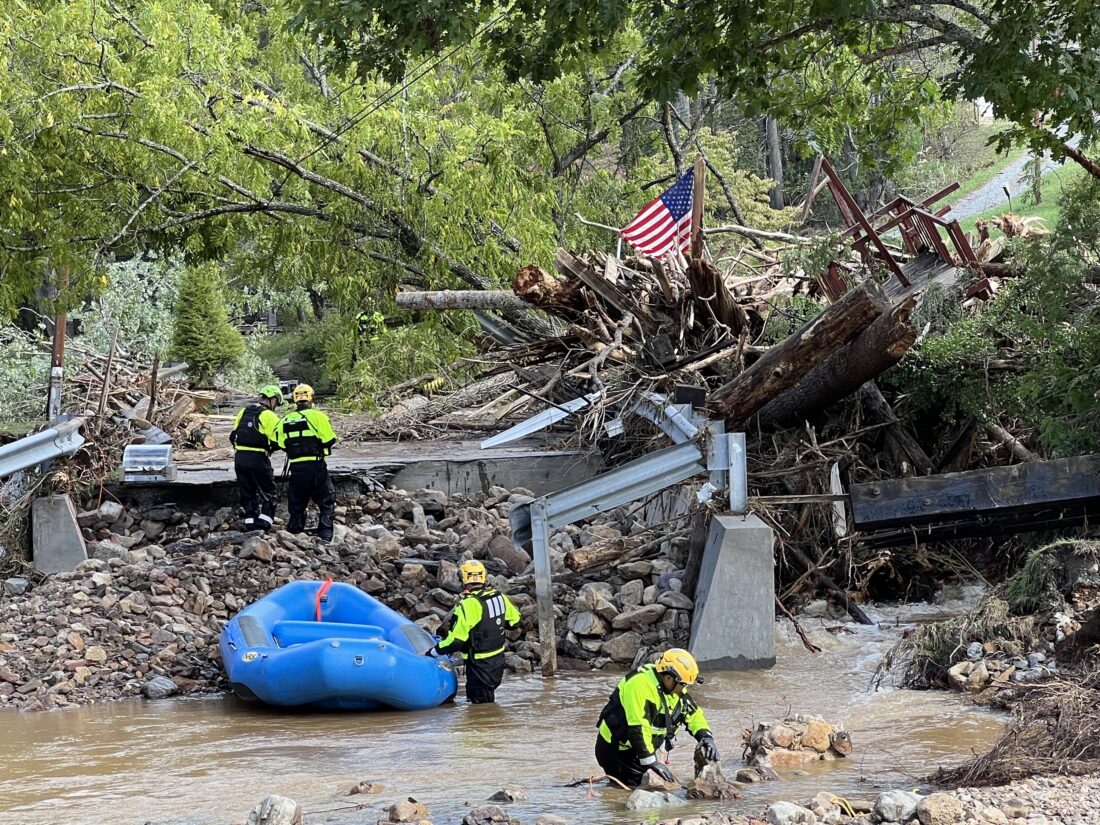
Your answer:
<point x="811" y="63"/>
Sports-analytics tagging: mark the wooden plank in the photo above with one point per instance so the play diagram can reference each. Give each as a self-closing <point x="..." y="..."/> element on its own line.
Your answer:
<point x="697" y="209"/>
<point x="841" y="191"/>
<point x="976" y="493"/>
<point x="812" y="191"/>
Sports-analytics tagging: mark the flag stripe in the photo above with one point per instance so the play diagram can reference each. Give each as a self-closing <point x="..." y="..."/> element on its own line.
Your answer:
<point x="665" y="222"/>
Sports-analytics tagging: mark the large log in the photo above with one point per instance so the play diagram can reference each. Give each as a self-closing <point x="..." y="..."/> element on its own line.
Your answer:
<point x="461" y="299"/>
<point x="789" y="361"/>
<point x="870" y="353"/>
<point x="903" y="446"/>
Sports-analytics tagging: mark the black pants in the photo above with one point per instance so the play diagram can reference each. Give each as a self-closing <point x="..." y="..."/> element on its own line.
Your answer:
<point x="620" y="764"/>
<point x="310" y="480"/>
<point x="256" y="483"/>
<point x="483" y="677"/>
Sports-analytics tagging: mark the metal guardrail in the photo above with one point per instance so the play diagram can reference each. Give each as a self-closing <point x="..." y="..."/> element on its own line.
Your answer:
<point x="64" y="439"/>
<point x="697" y="449"/>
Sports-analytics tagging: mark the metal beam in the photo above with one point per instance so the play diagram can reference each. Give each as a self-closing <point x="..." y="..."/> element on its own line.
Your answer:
<point x="64" y="439"/>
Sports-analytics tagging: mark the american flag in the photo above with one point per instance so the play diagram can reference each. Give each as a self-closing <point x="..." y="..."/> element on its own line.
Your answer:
<point x="664" y="222"/>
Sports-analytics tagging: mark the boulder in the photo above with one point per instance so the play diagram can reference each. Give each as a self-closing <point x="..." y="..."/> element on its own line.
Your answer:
<point x="630" y="594"/>
<point x="385" y="548"/>
<point x="643" y="800"/>
<point x="16" y="586"/>
<point x="896" y="806"/>
<point x="787" y="813"/>
<point x="622" y="648"/>
<point x="817" y="735"/>
<point x="488" y="815"/>
<point x="587" y="623"/>
<point x="256" y="548"/>
<point x="670" y="598"/>
<point x="159" y="687"/>
<point x="781" y="736"/>
<point x="366" y="787"/>
<point x="110" y="511"/>
<point x="939" y="809"/>
<point x="407" y="810"/>
<point x="276" y="810"/>
<point x="639" y="618"/>
<point x="413" y="573"/>
<point x="502" y="549"/>
<point x="509" y="794"/>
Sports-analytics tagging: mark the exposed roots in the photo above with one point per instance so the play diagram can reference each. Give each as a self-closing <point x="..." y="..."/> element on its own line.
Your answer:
<point x="1055" y="729"/>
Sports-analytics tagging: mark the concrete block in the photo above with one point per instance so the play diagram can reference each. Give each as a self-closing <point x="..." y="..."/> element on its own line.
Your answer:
<point x="734" y="623"/>
<point x="57" y="544"/>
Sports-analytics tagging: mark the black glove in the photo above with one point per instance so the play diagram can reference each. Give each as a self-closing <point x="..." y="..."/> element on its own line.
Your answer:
<point x="432" y="651"/>
<point x="662" y="770"/>
<point x="708" y="749"/>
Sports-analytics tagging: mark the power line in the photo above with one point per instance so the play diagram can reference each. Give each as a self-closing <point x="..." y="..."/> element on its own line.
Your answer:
<point x="406" y="81"/>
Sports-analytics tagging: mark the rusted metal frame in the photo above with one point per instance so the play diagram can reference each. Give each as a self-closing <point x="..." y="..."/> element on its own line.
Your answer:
<point x="902" y="200"/>
<point x="861" y="219"/>
<point x="962" y="243"/>
<point x="930" y="224"/>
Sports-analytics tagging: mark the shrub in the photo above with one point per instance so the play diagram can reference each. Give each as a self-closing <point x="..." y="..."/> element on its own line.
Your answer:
<point x="203" y="336"/>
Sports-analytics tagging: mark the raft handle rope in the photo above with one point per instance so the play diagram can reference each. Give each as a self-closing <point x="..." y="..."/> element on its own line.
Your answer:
<point x="322" y="591"/>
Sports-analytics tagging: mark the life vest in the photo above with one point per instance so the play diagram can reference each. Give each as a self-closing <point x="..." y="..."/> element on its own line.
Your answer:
<point x="247" y="435"/>
<point x="301" y="440"/>
<point x="488" y="636"/>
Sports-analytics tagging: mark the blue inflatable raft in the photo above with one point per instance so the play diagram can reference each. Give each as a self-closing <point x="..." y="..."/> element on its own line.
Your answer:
<point x="332" y="646"/>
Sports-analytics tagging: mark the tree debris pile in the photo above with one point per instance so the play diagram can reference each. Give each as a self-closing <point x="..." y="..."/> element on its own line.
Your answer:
<point x="159" y="585"/>
<point x="1043" y="618"/>
<point x="1055" y="730"/>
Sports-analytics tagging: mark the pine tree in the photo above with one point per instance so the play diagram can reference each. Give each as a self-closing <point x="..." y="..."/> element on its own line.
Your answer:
<point x="203" y="335"/>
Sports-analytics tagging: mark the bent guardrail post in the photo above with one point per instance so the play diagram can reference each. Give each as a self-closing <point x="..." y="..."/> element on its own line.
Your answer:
<point x="64" y="439"/>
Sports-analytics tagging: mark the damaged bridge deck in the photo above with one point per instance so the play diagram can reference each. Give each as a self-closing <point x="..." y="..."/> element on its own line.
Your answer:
<point x="449" y="465"/>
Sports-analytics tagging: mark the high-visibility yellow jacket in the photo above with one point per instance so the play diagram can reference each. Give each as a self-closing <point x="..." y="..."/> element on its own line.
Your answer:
<point x="478" y="624"/>
<point x="306" y="435"/>
<point x="259" y="433"/>
<point x="640" y="716"/>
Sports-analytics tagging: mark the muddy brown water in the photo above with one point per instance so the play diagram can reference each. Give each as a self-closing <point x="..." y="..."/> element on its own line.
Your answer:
<point x="207" y="761"/>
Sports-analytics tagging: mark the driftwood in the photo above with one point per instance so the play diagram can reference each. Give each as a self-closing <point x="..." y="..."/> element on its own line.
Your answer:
<point x="557" y="296"/>
<point x="785" y="364"/>
<point x="461" y="299"/>
<point x="870" y="353"/>
<point x="905" y="449"/>
<point x="708" y="286"/>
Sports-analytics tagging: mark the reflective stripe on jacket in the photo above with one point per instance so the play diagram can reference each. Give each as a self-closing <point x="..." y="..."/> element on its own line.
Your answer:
<point x="255" y="429"/>
<point x="639" y="716"/>
<point x="478" y="625"/>
<point x="306" y="435"/>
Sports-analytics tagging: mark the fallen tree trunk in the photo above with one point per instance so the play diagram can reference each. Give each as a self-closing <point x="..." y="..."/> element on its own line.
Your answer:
<point x="903" y="446"/>
<point x="870" y="353"/>
<point x="789" y="361"/>
<point x="461" y="299"/>
<point x="557" y="296"/>
<point x="710" y="289"/>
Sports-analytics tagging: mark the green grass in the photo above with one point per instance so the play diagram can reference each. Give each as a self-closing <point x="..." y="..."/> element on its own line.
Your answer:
<point x="1023" y="205"/>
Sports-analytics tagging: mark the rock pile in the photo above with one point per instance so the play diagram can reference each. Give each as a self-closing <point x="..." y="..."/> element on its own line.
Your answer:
<point x="794" y="741"/>
<point x="143" y="613"/>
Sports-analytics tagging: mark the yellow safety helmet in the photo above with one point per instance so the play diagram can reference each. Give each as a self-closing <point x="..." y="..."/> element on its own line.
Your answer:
<point x="303" y="392"/>
<point x="680" y="664"/>
<point x="473" y="572"/>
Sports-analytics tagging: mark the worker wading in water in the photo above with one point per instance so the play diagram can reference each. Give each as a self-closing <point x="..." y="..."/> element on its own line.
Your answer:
<point x="307" y="437"/>
<point x="644" y="713"/>
<point x="477" y="630"/>
<point x="254" y="439"/>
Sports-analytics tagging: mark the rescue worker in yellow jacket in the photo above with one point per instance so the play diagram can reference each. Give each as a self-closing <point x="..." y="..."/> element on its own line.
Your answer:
<point x="254" y="439"/>
<point x="307" y="437"/>
<point x="644" y="713"/>
<point x="477" y="630"/>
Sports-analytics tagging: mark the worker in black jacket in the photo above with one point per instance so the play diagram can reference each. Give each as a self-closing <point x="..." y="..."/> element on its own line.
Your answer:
<point x="306" y="435"/>
<point x="254" y="440"/>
